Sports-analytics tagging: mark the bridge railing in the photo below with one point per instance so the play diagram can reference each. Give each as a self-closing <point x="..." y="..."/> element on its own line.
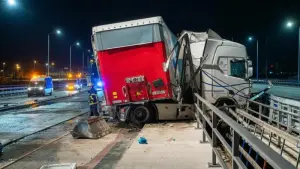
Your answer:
<point x="6" y="91"/>
<point x="282" y="119"/>
<point x="277" y="127"/>
<point x="209" y="116"/>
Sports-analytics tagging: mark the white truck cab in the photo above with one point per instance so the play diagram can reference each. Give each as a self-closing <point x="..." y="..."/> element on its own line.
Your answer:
<point x="223" y="66"/>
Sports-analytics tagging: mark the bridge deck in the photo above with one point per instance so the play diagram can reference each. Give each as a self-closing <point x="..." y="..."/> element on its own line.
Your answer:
<point x="280" y="91"/>
<point x="172" y="145"/>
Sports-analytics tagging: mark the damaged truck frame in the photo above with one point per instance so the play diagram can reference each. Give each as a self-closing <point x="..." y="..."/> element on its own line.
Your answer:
<point x="149" y="74"/>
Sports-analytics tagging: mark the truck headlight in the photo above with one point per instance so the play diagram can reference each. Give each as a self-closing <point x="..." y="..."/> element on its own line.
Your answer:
<point x="67" y="85"/>
<point x="41" y="88"/>
<point x="29" y="88"/>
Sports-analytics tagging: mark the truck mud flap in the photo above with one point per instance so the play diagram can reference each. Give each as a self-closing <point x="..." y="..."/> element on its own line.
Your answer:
<point x="93" y="128"/>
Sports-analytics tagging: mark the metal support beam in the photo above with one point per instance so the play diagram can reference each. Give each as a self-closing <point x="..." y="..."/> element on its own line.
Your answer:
<point x="203" y="125"/>
<point x="214" y="142"/>
<point x="235" y="148"/>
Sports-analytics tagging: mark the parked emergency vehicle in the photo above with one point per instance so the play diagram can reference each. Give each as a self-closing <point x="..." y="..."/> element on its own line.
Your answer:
<point x="40" y="85"/>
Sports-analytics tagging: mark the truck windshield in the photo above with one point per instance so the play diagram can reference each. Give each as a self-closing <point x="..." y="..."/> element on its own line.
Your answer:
<point x="127" y="37"/>
<point x="238" y="68"/>
<point x="36" y="83"/>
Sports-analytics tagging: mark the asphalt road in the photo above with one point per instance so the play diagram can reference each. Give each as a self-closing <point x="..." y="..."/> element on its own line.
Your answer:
<point x="280" y="91"/>
<point x="24" y="99"/>
<point x="18" y="123"/>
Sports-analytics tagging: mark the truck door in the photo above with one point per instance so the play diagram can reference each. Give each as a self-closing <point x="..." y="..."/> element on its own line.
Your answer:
<point x="230" y="77"/>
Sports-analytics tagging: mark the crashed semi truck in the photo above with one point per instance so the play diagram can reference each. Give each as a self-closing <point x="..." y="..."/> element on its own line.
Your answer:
<point x="150" y="74"/>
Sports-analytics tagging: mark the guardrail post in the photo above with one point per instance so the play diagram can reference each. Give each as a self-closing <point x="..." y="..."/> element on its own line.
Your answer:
<point x="235" y="149"/>
<point x="198" y="113"/>
<point x="247" y="108"/>
<point x="203" y="124"/>
<point x="214" y="141"/>
<point x="260" y="111"/>
<point x="271" y="112"/>
<point x="289" y="120"/>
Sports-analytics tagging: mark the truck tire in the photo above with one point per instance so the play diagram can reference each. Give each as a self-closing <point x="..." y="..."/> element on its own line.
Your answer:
<point x="141" y="114"/>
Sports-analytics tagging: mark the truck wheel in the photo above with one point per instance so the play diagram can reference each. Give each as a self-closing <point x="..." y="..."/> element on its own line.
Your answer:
<point x="141" y="115"/>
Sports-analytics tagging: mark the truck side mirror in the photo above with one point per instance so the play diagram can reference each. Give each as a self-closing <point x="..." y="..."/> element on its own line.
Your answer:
<point x="250" y="72"/>
<point x="249" y="69"/>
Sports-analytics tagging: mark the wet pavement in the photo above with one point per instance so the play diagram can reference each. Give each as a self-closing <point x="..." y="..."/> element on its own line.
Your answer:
<point x="55" y="145"/>
<point x="18" y="123"/>
<point x="24" y="99"/>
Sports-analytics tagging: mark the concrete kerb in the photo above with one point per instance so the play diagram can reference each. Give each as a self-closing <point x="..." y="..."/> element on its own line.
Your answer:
<point x="40" y="102"/>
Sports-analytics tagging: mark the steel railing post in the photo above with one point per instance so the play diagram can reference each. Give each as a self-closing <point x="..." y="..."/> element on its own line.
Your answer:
<point x="203" y="123"/>
<point x="214" y="141"/>
<point x="198" y="114"/>
<point x="235" y="149"/>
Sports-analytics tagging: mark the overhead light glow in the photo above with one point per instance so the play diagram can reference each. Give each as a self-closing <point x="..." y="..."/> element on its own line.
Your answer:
<point x="289" y="24"/>
<point x="11" y="2"/>
<point x="58" y="32"/>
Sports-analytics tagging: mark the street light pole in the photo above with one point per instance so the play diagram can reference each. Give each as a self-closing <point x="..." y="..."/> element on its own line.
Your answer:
<point x="83" y="60"/>
<point x="70" y="58"/>
<point x="48" y="53"/>
<point x="3" y="64"/>
<point x="257" y="59"/>
<point x="298" y="54"/>
<point x="58" y="32"/>
<point x="77" y="44"/>
<point x="250" y="38"/>
<point x="34" y="62"/>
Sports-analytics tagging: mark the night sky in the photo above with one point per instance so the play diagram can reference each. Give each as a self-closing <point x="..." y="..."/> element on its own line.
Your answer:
<point x="24" y="28"/>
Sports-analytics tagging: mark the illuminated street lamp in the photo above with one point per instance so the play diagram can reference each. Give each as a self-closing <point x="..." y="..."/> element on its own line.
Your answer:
<point x="58" y="32"/>
<point x="3" y="64"/>
<point x="34" y="62"/>
<point x="11" y="2"/>
<point x="250" y="38"/>
<point x="18" y="67"/>
<point x="290" y="24"/>
<point x="77" y="44"/>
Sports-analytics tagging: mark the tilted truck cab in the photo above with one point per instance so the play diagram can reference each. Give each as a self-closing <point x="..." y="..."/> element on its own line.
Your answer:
<point x="147" y="72"/>
<point x="221" y="68"/>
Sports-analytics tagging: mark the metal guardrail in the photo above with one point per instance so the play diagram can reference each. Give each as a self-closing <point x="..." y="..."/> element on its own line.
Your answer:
<point x="208" y="114"/>
<point x="8" y="90"/>
<point x="283" y="134"/>
<point x="12" y="91"/>
<point x="6" y="86"/>
<point x="278" y="117"/>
